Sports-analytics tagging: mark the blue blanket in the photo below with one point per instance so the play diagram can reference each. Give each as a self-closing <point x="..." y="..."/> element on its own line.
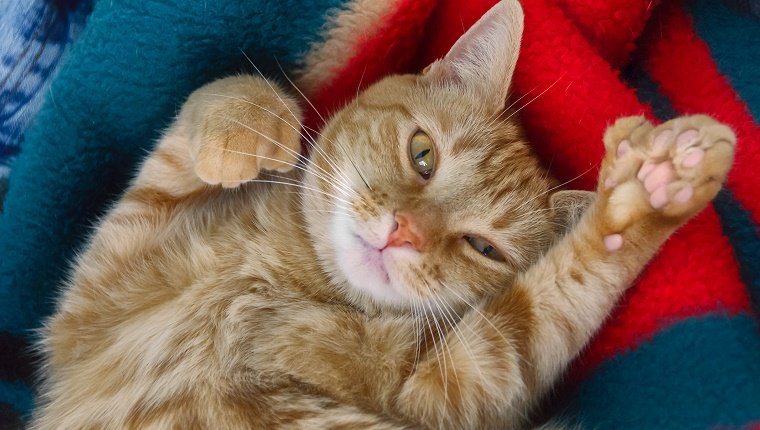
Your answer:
<point x="131" y="69"/>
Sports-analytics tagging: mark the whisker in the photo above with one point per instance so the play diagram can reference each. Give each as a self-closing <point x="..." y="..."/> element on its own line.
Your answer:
<point x="285" y="104"/>
<point x="452" y="325"/>
<point x="349" y="194"/>
<point x="435" y="344"/>
<point x="455" y="327"/>
<point x="296" y="166"/>
<point x="265" y="181"/>
<point x="299" y="91"/>
<point x="361" y="79"/>
<point x="495" y="116"/>
<point x="521" y="358"/>
<point x="444" y="368"/>
<point x="417" y="330"/>
<point x="324" y="121"/>
<point x="534" y="98"/>
<point x="305" y="136"/>
<point x="335" y="204"/>
<point x="476" y="310"/>
<point x="276" y="143"/>
<point x="527" y="202"/>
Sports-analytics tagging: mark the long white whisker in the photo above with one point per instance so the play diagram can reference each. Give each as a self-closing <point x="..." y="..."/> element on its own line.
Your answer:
<point x="455" y="323"/>
<point x="296" y="166"/>
<point x="527" y="202"/>
<point x="265" y="181"/>
<point x="495" y="116"/>
<point x="417" y="331"/>
<point x="444" y="368"/>
<point x="276" y="143"/>
<point x="285" y="104"/>
<point x="476" y="310"/>
<point x="452" y="324"/>
<point x="299" y="91"/>
<point x="435" y="344"/>
<point x="534" y="98"/>
<point x="324" y="121"/>
<point x="305" y="136"/>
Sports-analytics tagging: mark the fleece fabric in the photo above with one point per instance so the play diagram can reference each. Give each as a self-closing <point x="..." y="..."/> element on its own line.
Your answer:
<point x="681" y="350"/>
<point x="34" y="36"/>
<point x="131" y="69"/>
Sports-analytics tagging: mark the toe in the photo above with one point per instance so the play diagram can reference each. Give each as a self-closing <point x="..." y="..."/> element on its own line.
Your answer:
<point x="661" y="141"/>
<point x="693" y="157"/>
<point x="623" y="148"/>
<point x="684" y="195"/>
<point x="659" y="198"/>
<point x="687" y="138"/>
<point x="646" y="169"/>
<point x="661" y="175"/>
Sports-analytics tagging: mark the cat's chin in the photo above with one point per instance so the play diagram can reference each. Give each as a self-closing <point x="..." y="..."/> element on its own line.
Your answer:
<point x="371" y="271"/>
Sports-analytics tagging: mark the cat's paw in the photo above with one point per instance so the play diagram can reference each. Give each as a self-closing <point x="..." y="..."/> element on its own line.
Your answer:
<point x="671" y="171"/>
<point x="240" y="126"/>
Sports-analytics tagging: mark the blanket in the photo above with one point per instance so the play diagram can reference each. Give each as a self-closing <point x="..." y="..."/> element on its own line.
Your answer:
<point x="682" y="350"/>
<point x="34" y="36"/>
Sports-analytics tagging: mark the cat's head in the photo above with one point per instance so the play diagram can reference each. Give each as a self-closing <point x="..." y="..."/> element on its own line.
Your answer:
<point x="423" y="191"/>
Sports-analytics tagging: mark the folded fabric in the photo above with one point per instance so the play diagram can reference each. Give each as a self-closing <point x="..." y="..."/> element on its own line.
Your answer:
<point x="682" y="349"/>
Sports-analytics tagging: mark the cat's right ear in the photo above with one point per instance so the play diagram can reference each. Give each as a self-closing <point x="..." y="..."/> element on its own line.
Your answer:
<point x="484" y="58"/>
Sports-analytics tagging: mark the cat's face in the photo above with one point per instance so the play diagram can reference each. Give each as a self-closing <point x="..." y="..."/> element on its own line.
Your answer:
<point x="432" y="199"/>
<point x="423" y="193"/>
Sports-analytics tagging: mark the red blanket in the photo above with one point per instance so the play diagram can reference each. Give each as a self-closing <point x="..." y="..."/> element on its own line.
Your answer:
<point x="682" y="348"/>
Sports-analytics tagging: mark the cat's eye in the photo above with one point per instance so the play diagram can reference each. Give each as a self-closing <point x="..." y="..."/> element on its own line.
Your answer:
<point x="484" y="248"/>
<point x="422" y="154"/>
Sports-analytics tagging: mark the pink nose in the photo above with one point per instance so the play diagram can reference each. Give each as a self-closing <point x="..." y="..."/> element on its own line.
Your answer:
<point x="406" y="232"/>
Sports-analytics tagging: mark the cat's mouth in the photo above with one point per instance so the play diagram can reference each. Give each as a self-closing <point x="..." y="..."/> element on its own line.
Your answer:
<point x="367" y="264"/>
<point x="371" y="270"/>
<point x="374" y="258"/>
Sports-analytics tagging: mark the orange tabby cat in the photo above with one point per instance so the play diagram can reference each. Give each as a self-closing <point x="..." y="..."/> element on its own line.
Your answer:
<point x="419" y="270"/>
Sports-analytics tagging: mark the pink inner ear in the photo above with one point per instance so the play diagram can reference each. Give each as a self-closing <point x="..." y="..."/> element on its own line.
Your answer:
<point x="468" y="43"/>
<point x="442" y="73"/>
<point x="484" y="58"/>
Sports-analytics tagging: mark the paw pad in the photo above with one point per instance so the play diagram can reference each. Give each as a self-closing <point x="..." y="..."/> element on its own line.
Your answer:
<point x="673" y="170"/>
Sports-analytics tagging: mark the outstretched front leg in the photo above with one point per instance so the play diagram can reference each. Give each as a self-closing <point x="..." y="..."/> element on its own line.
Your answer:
<point x="653" y="179"/>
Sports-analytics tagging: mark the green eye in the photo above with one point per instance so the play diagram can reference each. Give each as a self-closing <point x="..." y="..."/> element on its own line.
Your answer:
<point x="484" y="248"/>
<point x="422" y="153"/>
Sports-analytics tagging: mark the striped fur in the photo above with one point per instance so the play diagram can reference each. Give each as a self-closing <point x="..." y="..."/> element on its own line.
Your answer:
<point x="216" y="293"/>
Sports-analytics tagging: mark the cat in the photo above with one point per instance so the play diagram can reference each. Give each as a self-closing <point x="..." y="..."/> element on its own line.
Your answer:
<point x="420" y="269"/>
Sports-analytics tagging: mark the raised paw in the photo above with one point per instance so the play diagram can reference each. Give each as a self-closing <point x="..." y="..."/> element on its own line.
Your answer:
<point x="239" y="126"/>
<point x="671" y="171"/>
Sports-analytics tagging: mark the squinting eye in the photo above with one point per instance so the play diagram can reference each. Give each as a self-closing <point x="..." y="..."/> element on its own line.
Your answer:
<point x="422" y="153"/>
<point x="484" y="248"/>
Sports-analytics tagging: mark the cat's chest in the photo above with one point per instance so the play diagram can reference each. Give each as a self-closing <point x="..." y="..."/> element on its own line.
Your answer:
<point x="332" y="347"/>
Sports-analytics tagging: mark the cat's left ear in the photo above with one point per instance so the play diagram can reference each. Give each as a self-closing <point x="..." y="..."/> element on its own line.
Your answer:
<point x="483" y="59"/>
<point x="567" y="208"/>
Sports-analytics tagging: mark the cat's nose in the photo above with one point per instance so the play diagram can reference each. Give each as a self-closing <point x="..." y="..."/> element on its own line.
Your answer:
<point x="406" y="232"/>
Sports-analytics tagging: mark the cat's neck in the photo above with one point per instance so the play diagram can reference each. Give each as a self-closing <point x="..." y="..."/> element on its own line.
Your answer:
<point x="298" y="267"/>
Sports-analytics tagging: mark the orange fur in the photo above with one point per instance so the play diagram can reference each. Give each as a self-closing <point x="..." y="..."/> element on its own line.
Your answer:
<point x="196" y="306"/>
